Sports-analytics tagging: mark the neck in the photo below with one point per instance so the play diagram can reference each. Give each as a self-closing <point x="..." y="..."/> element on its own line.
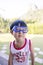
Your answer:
<point x="20" y="43"/>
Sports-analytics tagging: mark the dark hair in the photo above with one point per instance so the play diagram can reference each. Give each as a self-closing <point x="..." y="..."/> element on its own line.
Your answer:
<point x="16" y="22"/>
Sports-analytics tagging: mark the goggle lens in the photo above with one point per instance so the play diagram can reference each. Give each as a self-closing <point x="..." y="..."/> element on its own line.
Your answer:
<point x="19" y="29"/>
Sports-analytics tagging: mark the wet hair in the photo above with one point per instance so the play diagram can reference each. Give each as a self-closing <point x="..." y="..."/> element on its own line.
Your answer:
<point x="16" y="23"/>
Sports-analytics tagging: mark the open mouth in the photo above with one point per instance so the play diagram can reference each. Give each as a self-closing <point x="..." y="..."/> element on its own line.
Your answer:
<point x="19" y="35"/>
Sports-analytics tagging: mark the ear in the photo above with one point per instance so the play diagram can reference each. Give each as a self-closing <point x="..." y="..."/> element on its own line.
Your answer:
<point x="11" y="32"/>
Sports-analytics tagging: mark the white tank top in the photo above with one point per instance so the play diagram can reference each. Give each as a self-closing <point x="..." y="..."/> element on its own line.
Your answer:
<point x="21" y="55"/>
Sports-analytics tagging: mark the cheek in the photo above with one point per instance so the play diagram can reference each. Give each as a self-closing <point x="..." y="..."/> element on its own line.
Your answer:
<point x="24" y="34"/>
<point x="15" y="35"/>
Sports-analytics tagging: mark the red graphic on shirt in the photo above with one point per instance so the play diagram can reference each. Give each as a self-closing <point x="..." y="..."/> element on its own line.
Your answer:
<point x="20" y="57"/>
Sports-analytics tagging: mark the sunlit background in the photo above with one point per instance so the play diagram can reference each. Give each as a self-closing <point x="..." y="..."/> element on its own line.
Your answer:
<point x="17" y="8"/>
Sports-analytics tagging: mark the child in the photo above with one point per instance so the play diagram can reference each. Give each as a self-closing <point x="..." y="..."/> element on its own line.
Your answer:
<point x="19" y="48"/>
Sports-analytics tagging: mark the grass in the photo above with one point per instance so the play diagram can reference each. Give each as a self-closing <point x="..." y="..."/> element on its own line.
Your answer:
<point x="38" y="63"/>
<point x="38" y="42"/>
<point x="5" y="43"/>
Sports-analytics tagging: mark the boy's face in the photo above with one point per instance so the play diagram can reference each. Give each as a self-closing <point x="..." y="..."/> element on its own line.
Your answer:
<point x="18" y="33"/>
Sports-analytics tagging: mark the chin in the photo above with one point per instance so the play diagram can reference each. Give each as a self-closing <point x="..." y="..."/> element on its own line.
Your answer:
<point x="20" y="38"/>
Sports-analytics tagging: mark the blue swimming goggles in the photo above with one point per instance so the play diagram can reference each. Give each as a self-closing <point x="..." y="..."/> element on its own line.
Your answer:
<point x="19" y="29"/>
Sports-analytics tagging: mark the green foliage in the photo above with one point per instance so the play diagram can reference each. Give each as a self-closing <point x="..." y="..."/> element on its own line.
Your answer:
<point x="34" y="27"/>
<point x="4" y="25"/>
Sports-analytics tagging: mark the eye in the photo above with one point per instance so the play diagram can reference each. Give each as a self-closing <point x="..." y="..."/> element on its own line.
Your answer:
<point x="18" y="28"/>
